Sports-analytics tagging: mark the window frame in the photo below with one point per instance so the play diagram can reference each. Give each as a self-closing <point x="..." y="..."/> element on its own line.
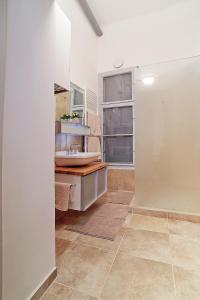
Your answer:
<point x="114" y="104"/>
<point x="81" y="107"/>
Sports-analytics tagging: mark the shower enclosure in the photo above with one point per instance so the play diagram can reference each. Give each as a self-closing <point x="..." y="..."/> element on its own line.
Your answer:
<point x="168" y="136"/>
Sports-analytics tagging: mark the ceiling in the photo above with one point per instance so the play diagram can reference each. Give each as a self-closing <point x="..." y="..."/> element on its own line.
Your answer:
<point x="111" y="11"/>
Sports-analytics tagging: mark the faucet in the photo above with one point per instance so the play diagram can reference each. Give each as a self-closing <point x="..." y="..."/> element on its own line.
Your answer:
<point x="74" y="150"/>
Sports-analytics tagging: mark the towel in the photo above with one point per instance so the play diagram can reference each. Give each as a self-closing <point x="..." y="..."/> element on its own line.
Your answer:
<point x="62" y="195"/>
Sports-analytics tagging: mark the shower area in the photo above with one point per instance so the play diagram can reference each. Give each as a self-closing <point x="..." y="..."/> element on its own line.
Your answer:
<point x="168" y="136"/>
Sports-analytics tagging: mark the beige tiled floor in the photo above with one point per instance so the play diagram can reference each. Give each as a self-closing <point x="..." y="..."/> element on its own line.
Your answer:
<point x="151" y="259"/>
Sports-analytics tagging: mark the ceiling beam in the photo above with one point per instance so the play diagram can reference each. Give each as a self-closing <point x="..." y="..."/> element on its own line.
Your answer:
<point x="89" y="14"/>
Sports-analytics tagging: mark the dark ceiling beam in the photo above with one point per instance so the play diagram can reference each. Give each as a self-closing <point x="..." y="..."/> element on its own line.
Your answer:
<point x="89" y="14"/>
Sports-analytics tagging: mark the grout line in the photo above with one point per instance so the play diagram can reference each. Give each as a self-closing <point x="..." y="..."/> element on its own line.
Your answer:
<point x="117" y="251"/>
<point x="102" y="249"/>
<point x="174" y="282"/>
<point x="109" y="269"/>
<point x="172" y="265"/>
<point x="74" y="290"/>
<point x="168" y="223"/>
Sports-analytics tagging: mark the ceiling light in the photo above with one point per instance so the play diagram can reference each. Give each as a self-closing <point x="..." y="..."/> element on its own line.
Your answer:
<point x="148" y="80"/>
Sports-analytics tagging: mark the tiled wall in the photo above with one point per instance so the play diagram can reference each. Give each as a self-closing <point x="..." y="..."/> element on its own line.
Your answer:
<point x="63" y="141"/>
<point x="121" y="179"/>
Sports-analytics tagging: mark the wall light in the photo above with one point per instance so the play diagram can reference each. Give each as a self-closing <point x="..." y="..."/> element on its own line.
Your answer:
<point x="148" y="80"/>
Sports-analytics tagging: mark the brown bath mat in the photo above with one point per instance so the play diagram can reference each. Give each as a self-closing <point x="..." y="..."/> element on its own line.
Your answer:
<point x="119" y="197"/>
<point x="102" y="220"/>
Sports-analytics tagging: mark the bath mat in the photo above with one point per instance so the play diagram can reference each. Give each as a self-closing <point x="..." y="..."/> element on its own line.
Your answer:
<point x="119" y="197"/>
<point x="102" y="220"/>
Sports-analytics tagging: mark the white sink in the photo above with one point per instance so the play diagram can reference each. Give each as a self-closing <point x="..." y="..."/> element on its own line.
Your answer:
<point x="64" y="158"/>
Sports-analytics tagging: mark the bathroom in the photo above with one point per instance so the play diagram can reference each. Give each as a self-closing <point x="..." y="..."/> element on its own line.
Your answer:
<point x="100" y="162"/>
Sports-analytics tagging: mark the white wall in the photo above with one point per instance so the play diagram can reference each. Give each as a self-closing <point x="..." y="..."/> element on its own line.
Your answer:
<point x="168" y="34"/>
<point x="62" y="48"/>
<point x="83" y="69"/>
<point x="3" y="6"/>
<point x="28" y="149"/>
<point x="170" y="144"/>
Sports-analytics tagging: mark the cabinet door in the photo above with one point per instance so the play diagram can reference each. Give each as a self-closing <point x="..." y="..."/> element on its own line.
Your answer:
<point x="63" y="43"/>
<point x="102" y="182"/>
<point x="88" y="190"/>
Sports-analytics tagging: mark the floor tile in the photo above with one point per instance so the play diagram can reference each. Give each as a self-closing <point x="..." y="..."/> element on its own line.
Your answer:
<point x="101" y="243"/>
<point x="185" y="229"/>
<point x="84" y="268"/>
<point x="185" y="252"/>
<point x="147" y="244"/>
<point x="61" y="246"/>
<point x="57" y="292"/>
<point x="80" y="296"/>
<point x="147" y="223"/>
<point x="148" y="273"/>
<point x="184" y="217"/>
<point x="157" y="292"/>
<point x="64" y="234"/>
<point x="61" y="292"/>
<point x="119" y="279"/>
<point x="137" y="265"/>
<point x="187" y="284"/>
<point x="118" y="197"/>
<point x="130" y="275"/>
<point x="150" y="212"/>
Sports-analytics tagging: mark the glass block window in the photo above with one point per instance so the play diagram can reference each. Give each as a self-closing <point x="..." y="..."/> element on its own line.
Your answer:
<point x="118" y="117"/>
<point x="118" y="134"/>
<point x="118" y="149"/>
<point x="117" y="87"/>
<point x="118" y="120"/>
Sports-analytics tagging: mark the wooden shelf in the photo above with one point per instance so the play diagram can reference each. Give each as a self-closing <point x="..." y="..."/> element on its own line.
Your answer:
<point x="81" y="171"/>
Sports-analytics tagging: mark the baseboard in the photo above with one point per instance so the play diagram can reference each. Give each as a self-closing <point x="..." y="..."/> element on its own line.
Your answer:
<point x="164" y="213"/>
<point x="41" y="290"/>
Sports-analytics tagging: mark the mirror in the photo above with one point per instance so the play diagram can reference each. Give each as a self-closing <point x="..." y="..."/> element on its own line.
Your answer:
<point x="71" y="104"/>
<point x="62" y="104"/>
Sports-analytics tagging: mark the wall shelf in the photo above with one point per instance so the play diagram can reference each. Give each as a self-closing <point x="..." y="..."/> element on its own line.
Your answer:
<point x="75" y="129"/>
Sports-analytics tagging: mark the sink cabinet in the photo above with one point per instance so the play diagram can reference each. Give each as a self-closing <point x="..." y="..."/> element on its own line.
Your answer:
<point x="87" y="189"/>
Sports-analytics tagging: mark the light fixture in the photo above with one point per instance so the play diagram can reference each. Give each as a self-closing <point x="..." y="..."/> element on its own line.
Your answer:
<point x="118" y="63"/>
<point x="148" y="80"/>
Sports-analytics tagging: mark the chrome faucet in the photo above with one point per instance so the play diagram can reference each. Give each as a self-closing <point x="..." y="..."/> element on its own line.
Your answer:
<point x="72" y="150"/>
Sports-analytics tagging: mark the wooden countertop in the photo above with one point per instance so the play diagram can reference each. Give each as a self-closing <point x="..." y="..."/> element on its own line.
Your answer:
<point x="81" y="171"/>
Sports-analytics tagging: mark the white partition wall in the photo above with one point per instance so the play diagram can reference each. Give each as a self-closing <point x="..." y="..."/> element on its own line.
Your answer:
<point x="168" y="136"/>
<point x="3" y="9"/>
<point x="28" y="148"/>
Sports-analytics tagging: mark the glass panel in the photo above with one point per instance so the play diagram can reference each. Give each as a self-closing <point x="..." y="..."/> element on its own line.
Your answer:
<point x="117" y="87"/>
<point x="118" y="149"/>
<point x="62" y="104"/>
<point x="79" y="111"/>
<point x="88" y="190"/>
<point x="168" y="137"/>
<point x="78" y="97"/>
<point x="81" y="114"/>
<point x="101" y="181"/>
<point x="118" y="120"/>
